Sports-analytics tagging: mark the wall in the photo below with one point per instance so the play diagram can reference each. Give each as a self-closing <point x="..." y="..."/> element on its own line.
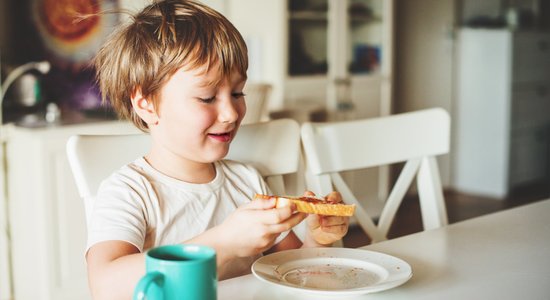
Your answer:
<point x="424" y="59"/>
<point x="4" y="21"/>
<point x="133" y="5"/>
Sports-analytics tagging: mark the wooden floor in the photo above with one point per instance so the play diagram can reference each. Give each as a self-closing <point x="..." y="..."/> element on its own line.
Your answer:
<point x="459" y="207"/>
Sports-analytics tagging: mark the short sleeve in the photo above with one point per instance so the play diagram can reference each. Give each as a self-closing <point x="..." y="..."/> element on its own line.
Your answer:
<point x="118" y="213"/>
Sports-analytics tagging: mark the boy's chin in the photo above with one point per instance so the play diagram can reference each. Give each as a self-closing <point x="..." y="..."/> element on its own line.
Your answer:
<point x="216" y="156"/>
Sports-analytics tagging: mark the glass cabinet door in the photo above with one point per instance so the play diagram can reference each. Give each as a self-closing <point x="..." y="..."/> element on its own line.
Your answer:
<point x="351" y="29"/>
<point x="339" y="52"/>
<point x="365" y="40"/>
<point x="307" y="37"/>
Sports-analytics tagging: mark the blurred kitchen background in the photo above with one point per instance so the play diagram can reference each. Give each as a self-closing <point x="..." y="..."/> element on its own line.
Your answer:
<point x="334" y="60"/>
<point x="487" y="62"/>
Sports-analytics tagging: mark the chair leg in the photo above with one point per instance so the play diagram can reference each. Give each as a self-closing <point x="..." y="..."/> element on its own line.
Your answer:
<point x="432" y="203"/>
<point x="396" y="195"/>
<point x="361" y="215"/>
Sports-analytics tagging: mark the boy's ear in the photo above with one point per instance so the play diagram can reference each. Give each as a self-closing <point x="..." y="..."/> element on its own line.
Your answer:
<point x="144" y="108"/>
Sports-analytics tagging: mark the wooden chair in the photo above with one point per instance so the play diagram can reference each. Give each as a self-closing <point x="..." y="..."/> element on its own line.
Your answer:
<point x="272" y="147"/>
<point x="415" y="138"/>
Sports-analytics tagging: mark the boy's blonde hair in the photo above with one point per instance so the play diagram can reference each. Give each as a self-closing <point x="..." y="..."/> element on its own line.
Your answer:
<point x="164" y="37"/>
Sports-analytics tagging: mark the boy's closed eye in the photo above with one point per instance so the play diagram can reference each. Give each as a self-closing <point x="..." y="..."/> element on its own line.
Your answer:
<point x="235" y="95"/>
<point x="238" y="95"/>
<point x="207" y="99"/>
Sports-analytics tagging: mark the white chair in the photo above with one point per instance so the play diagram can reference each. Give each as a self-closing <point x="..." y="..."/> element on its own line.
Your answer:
<point x="272" y="147"/>
<point x="414" y="138"/>
<point x="257" y="98"/>
<point x="93" y="158"/>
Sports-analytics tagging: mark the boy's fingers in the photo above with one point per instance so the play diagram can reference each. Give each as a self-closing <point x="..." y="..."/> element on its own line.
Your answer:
<point x="334" y="197"/>
<point x="332" y="221"/>
<point x="334" y="229"/>
<point x="314" y="221"/>
<point x="309" y="194"/>
<point x="275" y="215"/>
<point x="260" y="204"/>
<point x="289" y="223"/>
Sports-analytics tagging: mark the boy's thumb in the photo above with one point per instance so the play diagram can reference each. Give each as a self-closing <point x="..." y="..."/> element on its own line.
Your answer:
<point x="260" y="203"/>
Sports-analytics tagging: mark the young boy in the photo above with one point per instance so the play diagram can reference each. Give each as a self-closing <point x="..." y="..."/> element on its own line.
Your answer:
<point x="178" y="71"/>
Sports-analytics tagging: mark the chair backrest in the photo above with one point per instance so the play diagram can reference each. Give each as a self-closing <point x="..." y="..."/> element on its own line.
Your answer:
<point x="257" y="98"/>
<point x="93" y="158"/>
<point x="414" y="138"/>
<point x="272" y="147"/>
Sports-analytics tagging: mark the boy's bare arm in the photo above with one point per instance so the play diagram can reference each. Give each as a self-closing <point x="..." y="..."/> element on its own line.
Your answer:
<point x="114" y="268"/>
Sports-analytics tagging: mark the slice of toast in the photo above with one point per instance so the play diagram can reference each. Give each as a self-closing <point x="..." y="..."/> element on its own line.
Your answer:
<point x="312" y="205"/>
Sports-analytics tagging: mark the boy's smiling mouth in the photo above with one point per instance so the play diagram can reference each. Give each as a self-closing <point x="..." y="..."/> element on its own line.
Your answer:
<point x="221" y="137"/>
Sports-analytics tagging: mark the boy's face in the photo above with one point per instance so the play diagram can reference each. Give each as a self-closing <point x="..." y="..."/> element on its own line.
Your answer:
<point x="197" y="120"/>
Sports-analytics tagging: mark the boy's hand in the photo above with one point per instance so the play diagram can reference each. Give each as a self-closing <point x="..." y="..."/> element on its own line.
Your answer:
<point x="253" y="228"/>
<point x="326" y="230"/>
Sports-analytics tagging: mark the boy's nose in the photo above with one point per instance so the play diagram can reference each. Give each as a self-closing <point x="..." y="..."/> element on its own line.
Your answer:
<point x="228" y="111"/>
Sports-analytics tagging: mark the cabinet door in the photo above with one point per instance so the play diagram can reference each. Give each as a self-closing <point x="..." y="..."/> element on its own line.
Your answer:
<point x="48" y="221"/>
<point x="307" y="37"/>
<point x="339" y="40"/>
<point x="530" y="105"/>
<point x="529" y="156"/>
<point x="359" y="47"/>
<point x="367" y="36"/>
<point x="47" y="217"/>
<point x="531" y="57"/>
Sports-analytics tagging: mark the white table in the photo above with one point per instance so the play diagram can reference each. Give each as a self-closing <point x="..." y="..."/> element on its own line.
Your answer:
<point x="505" y="255"/>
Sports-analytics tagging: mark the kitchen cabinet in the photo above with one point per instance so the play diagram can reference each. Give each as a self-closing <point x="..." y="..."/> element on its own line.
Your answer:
<point x="502" y="120"/>
<point x="345" y="46"/>
<point x="333" y="54"/>
<point x="47" y="218"/>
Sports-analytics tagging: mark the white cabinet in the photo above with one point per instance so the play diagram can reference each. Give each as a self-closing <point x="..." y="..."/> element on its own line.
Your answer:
<point x="348" y="45"/>
<point x="330" y="53"/>
<point x="47" y="219"/>
<point x="502" y="111"/>
<point x="323" y="54"/>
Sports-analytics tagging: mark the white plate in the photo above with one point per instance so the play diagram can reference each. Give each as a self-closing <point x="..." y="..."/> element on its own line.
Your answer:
<point x="332" y="271"/>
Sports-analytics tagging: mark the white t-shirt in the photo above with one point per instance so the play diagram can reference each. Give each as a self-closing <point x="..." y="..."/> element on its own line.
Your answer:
<point x="141" y="206"/>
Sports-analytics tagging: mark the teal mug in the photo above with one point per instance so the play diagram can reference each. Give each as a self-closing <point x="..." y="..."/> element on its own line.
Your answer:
<point x="179" y="272"/>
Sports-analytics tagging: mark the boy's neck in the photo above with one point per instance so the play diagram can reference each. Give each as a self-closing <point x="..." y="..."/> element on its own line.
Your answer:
<point x="191" y="172"/>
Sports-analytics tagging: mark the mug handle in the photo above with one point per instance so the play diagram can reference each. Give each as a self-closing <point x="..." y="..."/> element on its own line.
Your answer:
<point x="140" y="292"/>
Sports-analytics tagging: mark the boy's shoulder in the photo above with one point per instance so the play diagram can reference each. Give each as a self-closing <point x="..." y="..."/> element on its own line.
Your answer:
<point x="126" y="174"/>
